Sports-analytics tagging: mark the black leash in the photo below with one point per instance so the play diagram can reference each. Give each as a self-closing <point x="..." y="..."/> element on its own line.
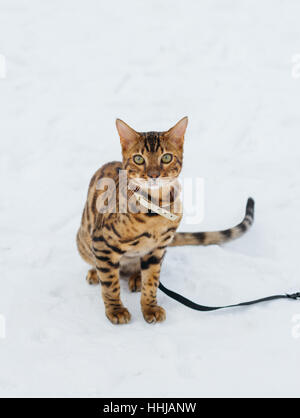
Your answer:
<point x="193" y="305"/>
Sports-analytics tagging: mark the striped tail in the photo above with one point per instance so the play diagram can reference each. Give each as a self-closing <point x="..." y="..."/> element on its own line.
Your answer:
<point x="216" y="237"/>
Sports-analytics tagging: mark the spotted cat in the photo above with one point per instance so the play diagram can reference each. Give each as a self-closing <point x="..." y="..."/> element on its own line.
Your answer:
<point x="134" y="243"/>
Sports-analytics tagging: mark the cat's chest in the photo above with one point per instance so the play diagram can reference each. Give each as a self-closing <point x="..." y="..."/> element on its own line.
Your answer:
<point x="138" y="237"/>
<point x="144" y="243"/>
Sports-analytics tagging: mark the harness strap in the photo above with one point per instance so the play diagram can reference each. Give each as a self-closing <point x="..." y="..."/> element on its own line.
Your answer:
<point x="197" y="307"/>
<point x="154" y="208"/>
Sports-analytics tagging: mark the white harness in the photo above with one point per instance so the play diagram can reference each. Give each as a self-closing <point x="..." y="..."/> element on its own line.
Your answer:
<point x="154" y="208"/>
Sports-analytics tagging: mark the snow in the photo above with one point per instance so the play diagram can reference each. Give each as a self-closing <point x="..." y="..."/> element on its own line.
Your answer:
<point x="72" y="68"/>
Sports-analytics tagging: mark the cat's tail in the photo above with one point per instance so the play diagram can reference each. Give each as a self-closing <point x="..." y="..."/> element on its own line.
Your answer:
<point x="216" y="237"/>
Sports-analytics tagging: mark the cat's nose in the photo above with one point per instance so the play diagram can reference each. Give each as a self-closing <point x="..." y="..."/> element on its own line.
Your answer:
<point x="153" y="173"/>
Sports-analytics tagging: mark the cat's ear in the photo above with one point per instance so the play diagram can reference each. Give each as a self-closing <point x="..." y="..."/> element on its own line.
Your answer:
<point x="128" y="136"/>
<point x="176" y="134"/>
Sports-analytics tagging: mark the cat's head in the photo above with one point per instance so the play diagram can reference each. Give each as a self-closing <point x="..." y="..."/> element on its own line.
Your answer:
<point x="152" y="156"/>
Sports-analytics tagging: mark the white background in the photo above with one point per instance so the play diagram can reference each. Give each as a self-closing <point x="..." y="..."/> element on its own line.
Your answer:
<point x="72" y="68"/>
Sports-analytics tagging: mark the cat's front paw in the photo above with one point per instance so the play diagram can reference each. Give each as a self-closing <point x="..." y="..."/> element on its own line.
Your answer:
<point x="118" y="316"/>
<point x="155" y="314"/>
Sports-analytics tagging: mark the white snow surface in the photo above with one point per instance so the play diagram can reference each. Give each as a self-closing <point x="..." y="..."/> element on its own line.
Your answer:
<point x="72" y="68"/>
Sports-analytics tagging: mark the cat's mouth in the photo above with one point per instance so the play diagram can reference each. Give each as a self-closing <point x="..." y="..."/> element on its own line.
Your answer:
<point x="161" y="191"/>
<point x="153" y="183"/>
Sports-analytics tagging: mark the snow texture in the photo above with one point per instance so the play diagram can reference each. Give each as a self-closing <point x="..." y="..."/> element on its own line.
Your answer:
<point x="72" y="68"/>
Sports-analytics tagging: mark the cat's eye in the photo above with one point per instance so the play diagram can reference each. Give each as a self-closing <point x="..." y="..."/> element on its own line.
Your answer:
<point x="138" y="159"/>
<point x="167" y="158"/>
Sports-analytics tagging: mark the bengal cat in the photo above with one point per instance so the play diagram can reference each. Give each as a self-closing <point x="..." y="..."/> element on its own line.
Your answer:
<point x="134" y="244"/>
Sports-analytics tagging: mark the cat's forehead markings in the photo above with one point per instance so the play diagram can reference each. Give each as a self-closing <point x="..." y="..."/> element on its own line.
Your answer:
<point x="151" y="141"/>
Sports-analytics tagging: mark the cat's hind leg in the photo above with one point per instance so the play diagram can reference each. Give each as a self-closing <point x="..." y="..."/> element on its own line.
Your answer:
<point x="92" y="277"/>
